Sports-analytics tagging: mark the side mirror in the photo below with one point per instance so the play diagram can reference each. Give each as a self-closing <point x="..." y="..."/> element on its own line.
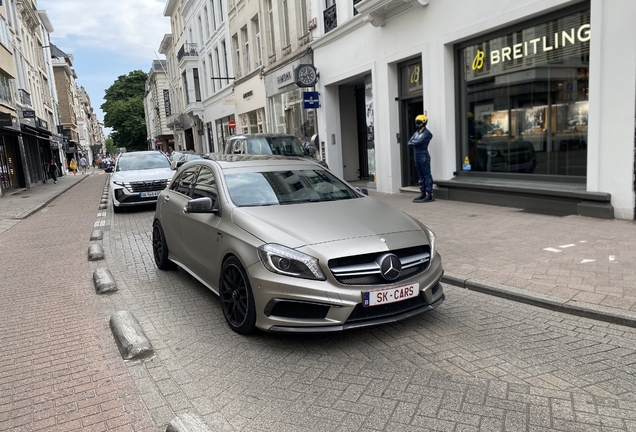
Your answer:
<point x="363" y="191"/>
<point x="200" y="205"/>
<point x="175" y="164"/>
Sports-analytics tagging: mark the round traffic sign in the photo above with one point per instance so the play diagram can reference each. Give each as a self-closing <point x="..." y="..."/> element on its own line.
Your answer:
<point x="232" y="124"/>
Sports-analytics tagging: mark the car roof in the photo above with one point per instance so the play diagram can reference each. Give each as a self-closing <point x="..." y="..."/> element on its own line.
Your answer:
<point x="262" y="135"/>
<point x="140" y="152"/>
<point x="247" y="160"/>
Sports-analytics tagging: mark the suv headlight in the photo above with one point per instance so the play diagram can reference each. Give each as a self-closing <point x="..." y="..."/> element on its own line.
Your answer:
<point x="289" y="262"/>
<point x="118" y="183"/>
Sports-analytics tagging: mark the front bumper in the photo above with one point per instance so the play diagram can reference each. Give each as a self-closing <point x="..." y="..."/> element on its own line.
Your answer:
<point x="327" y="306"/>
<point x="122" y="197"/>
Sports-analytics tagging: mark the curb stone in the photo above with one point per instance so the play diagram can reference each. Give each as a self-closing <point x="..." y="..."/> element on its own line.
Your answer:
<point x="586" y="310"/>
<point x="188" y="423"/>
<point x="104" y="281"/>
<point x="95" y="252"/>
<point x="129" y="336"/>
<point x="97" y="235"/>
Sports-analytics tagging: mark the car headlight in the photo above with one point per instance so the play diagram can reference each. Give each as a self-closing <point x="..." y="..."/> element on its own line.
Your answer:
<point x="431" y="240"/>
<point x="119" y="183"/>
<point x="289" y="262"/>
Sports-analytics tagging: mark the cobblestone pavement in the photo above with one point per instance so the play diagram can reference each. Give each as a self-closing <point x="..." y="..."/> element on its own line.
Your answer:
<point x="477" y="362"/>
<point x="59" y="367"/>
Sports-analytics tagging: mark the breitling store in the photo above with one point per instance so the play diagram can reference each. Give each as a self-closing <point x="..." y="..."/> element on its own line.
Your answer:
<point x="524" y="98"/>
<point x="286" y="110"/>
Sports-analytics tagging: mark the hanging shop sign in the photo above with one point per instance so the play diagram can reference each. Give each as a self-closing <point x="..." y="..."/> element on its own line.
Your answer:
<point x="310" y="100"/>
<point x="166" y="102"/>
<point x="28" y="114"/>
<point x="5" y="119"/>
<point x="550" y="42"/>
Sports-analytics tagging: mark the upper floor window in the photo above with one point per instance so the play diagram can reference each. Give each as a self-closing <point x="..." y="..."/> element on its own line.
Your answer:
<point x="303" y="18"/>
<point x="213" y="18"/>
<point x="257" y="39"/>
<point x="206" y="20"/>
<point x="246" y="52"/>
<point x="237" y="56"/>
<point x="287" y="40"/>
<point x="272" y="40"/>
<point x="225" y="63"/>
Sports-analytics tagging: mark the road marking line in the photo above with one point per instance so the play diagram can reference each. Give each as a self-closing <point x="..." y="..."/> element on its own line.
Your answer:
<point x="552" y="250"/>
<point x="587" y="261"/>
<point x="567" y="245"/>
<point x="612" y="257"/>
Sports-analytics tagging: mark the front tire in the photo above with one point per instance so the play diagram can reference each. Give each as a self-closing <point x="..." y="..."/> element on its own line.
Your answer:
<point x="237" y="300"/>
<point x="160" y="248"/>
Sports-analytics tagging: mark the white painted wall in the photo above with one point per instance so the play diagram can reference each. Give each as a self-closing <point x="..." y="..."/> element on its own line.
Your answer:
<point x="430" y="32"/>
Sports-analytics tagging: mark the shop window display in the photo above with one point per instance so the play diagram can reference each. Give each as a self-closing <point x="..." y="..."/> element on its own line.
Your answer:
<point x="524" y="99"/>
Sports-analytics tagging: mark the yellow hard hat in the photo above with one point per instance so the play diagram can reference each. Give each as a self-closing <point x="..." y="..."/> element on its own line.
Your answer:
<point x="422" y="118"/>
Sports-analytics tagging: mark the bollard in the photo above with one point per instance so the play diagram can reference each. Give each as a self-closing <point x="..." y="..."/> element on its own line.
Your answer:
<point x="95" y="252"/>
<point x="129" y="336"/>
<point x="104" y="281"/>
<point x="188" y="423"/>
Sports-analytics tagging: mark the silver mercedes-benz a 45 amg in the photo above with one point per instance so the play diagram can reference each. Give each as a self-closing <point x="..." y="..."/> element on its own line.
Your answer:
<point x="289" y="247"/>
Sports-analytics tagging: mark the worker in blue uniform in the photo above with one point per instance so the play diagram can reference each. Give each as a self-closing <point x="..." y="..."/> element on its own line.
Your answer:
<point x="419" y="142"/>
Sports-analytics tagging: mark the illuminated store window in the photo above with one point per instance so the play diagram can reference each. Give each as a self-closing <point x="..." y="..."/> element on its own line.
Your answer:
<point x="524" y="99"/>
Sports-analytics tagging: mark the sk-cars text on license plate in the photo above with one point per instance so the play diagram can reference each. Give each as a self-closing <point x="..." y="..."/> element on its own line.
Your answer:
<point x="390" y="295"/>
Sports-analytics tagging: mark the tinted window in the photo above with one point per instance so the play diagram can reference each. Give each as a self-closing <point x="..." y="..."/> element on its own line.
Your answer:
<point x="131" y="161"/>
<point x="286" y="187"/>
<point x="183" y="183"/>
<point x="205" y="186"/>
<point x="286" y="146"/>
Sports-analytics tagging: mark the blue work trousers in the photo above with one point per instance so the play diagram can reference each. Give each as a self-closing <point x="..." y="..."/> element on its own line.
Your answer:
<point x="423" y="168"/>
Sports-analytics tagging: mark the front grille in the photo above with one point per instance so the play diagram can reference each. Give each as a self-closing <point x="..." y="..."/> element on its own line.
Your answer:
<point x="146" y="186"/>
<point x="361" y="313"/>
<point x="297" y="310"/>
<point x="365" y="269"/>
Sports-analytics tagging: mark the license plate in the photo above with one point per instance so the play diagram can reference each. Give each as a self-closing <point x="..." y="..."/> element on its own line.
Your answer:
<point x="390" y="295"/>
<point x="149" y="194"/>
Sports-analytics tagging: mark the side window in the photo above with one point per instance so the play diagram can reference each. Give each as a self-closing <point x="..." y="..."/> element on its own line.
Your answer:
<point x="183" y="183"/>
<point x="205" y="186"/>
<point x="238" y="146"/>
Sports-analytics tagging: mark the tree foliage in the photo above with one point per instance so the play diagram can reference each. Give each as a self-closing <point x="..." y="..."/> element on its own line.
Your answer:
<point x="124" y="110"/>
<point x="110" y="146"/>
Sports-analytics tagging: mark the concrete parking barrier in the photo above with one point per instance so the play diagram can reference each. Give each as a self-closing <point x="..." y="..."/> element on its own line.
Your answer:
<point x="104" y="201"/>
<point x="129" y="336"/>
<point x="102" y="206"/>
<point x="188" y="423"/>
<point x="97" y="235"/>
<point x="95" y="252"/>
<point x="104" y="281"/>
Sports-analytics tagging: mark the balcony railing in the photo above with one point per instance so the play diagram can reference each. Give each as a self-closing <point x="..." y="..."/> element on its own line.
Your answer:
<point x="331" y="21"/>
<point x="25" y="97"/>
<point x="189" y="50"/>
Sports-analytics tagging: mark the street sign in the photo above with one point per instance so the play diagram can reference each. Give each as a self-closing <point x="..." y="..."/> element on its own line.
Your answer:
<point x="232" y="124"/>
<point x="159" y="143"/>
<point x="310" y="100"/>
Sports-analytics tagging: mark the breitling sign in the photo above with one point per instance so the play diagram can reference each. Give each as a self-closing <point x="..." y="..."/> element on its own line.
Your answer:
<point x="555" y="41"/>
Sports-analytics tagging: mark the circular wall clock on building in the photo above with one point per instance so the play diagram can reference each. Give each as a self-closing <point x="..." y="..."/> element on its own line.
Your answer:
<point x="306" y="75"/>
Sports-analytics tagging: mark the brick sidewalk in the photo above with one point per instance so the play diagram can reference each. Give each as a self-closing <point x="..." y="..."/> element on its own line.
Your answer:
<point x="573" y="259"/>
<point x="59" y="366"/>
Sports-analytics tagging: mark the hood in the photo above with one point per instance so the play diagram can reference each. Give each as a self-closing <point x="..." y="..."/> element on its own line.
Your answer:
<point x="143" y="175"/>
<point x="298" y="225"/>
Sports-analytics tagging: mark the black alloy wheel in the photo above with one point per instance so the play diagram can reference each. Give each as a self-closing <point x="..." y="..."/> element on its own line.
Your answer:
<point x="236" y="296"/>
<point x="160" y="248"/>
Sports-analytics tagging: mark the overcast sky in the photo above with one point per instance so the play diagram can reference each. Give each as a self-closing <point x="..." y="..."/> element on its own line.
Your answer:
<point x="107" y="38"/>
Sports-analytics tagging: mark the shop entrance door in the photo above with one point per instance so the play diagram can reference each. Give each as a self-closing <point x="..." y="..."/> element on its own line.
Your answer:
<point x="410" y="109"/>
<point x="189" y="139"/>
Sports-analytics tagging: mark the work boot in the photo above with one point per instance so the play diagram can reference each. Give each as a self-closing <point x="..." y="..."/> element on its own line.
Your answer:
<point x="429" y="198"/>
<point x="420" y="198"/>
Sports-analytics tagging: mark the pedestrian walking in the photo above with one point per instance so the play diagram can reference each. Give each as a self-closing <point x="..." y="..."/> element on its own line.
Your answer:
<point x="73" y="166"/>
<point x="83" y="164"/>
<point x="52" y="169"/>
<point x="420" y="141"/>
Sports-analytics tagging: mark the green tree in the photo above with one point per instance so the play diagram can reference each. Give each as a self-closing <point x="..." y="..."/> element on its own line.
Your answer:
<point x="124" y="111"/>
<point x="110" y="146"/>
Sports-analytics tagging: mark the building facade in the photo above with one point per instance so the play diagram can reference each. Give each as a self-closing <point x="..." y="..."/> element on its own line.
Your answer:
<point x="157" y="107"/>
<point x="531" y="104"/>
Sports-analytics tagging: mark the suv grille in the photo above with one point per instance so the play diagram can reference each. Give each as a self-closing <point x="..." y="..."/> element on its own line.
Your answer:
<point x="365" y="269"/>
<point x="146" y="186"/>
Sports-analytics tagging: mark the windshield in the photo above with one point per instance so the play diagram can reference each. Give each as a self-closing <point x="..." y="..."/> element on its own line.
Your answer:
<point x="131" y="161"/>
<point x="286" y="146"/>
<point x="285" y="187"/>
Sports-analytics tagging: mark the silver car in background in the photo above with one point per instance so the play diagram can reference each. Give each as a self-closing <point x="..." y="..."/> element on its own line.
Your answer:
<point x="289" y="247"/>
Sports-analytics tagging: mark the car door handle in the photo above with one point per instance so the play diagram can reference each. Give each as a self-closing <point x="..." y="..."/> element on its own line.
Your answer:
<point x="166" y="198"/>
<point x="219" y="235"/>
